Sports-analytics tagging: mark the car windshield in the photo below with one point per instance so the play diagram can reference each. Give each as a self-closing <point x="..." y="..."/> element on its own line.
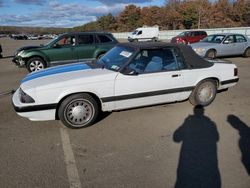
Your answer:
<point x="51" y="41"/>
<point x="214" y="38"/>
<point x="134" y="32"/>
<point x="115" y="58"/>
<point x="181" y="34"/>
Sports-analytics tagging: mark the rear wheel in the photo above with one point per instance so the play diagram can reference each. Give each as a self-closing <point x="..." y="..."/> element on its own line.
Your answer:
<point x="211" y="54"/>
<point x="35" y="64"/>
<point x="78" y="111"/>
<point x="204" y="93"/>
<point x="247" y="53"/>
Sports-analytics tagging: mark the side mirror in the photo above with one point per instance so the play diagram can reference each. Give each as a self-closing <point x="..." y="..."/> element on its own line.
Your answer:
<point x="133" y="73"/>
<point x="226" y="42"/>
<point x="130" y="72"/>
<point x="56" y="45"/>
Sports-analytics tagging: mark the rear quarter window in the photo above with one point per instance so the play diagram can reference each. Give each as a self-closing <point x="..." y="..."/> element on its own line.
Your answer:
<point x="104" y="39"/>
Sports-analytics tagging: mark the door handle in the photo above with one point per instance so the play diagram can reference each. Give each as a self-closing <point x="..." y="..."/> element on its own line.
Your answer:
<point x="175" y="75"/>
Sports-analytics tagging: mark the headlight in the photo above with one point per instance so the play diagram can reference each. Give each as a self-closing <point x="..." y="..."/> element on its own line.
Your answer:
<point x="24" y="97"/>
<point x="19" y="53"/>
<point x="199" y="50"/>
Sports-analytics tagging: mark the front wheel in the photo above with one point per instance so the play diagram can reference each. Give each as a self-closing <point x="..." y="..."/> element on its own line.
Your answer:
<point x="211" y="54"/>
<point x="35" y="64"/>
<point x="78" y="111"/>
<point x="204" y="93"/>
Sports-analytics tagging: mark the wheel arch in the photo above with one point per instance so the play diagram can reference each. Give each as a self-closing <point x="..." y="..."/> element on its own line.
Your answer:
<point x="39" y="56"/>
<point x="96" y="98"/>
<point x="100" y="52"/>
<point x="217" y="81"/>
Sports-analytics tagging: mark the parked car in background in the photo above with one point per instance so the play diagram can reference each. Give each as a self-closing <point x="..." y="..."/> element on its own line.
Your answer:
<point x="67" y="48"/>
<point x="130" y="75"/>
<point x="19" y="37"/>
<point x="223" y="44"/>
<point x="144" y="34"/>
<point x="189" y="37"/>
<point x="1" y="51"/>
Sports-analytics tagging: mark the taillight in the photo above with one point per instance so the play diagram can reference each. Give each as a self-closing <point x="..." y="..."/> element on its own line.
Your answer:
<point x="235" y="72"/>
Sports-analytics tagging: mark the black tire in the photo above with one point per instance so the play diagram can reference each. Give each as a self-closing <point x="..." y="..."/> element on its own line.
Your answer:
<point x="200" y="96"/>
<point x="247" y="52"/>
<point x="100" y="55"/>
<point x="78" y="111"/>
<point x="35" y="64"/>
<point x="211" y="54"/>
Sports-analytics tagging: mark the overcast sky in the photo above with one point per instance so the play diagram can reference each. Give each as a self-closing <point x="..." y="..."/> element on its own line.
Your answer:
<point x="61" y="13"/>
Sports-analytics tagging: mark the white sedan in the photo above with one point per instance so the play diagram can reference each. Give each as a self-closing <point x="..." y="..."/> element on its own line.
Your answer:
<point x="129" y="75"/>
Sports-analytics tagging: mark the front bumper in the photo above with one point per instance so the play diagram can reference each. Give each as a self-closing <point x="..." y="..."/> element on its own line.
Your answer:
<point x="18" y="61"/>
<point x="32" y="111"/>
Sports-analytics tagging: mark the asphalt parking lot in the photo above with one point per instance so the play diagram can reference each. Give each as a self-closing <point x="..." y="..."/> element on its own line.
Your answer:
<point x="172" y="145"/>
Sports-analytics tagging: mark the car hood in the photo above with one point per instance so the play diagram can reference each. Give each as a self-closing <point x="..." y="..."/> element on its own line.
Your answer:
<point x="28" y="48"/>
<point x="203" y="45"/>
<point x="67" y="75"/>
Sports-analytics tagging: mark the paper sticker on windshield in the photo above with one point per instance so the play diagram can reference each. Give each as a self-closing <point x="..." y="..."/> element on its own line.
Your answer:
<point x="126" y="54"/>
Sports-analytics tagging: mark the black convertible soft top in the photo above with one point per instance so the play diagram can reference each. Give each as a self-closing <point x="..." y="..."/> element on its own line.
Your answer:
<point x="192" y="59"/>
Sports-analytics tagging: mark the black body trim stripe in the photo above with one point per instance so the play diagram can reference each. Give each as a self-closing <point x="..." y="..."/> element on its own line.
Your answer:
<point x="146" y="94"/>
<point x="229" y="81"/>
<point x="35" y="108"/>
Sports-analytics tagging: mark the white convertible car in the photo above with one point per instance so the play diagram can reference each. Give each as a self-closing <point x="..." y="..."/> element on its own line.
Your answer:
<point x="129" y="75"/>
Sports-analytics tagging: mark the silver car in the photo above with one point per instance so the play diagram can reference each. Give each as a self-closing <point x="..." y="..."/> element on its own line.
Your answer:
<point x="223" y="44"/>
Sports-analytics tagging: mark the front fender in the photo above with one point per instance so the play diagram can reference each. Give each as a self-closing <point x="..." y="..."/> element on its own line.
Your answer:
<point x="26" y="56"/>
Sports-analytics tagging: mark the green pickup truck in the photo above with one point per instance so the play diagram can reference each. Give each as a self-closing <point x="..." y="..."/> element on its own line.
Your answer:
<point x="66" y="48"/>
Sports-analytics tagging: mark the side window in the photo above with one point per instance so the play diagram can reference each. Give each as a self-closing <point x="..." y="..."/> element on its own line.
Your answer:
<point x="104" y="39"/>
<point x="203" y="33"/>
<point x="140" y="32"/>
<point x="229" y="39"/>
<point x="85" y="39"/>
<point x="240" y="38"/>
<point x="155" y="60"/>
<point x="197" y="33"/>
<point x="179" y="59"/>
<point x="66" y="41"/>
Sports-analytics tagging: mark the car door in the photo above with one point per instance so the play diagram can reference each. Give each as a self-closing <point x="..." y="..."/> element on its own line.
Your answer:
<point x="228" y="46"/>
<point x="155" y="79"/>
<point x="62" y="51"/>
<point x="241" y="44"/>
<point x="192" y="37"/>
<point x="85" y="47"/>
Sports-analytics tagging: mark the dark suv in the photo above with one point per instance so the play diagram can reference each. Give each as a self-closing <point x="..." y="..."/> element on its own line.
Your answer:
<point x="189" y="37"/>
<point x="67" y="48"/>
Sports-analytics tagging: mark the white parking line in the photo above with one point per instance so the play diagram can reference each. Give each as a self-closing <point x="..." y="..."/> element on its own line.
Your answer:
<point x="73" y="176"/>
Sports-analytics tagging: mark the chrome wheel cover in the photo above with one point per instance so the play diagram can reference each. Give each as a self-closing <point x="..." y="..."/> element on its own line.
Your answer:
<point x="211" y="55"/>
<point x="206" y="93"/>
<point x="36" y="65"/>
<point x="79" y="112"/>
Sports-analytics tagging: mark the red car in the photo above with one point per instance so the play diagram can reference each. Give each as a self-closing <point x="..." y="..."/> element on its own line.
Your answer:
<point x="189" y="37"/>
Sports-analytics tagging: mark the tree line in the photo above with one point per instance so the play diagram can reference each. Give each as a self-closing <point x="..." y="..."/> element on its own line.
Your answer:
<point x="176" y="14"/>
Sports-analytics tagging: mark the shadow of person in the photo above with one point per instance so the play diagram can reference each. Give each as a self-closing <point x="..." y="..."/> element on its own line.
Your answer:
<point x="244" y="142"/>
<point x="198" y="164"/>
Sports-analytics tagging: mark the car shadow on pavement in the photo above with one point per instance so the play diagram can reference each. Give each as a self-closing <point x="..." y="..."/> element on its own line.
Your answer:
<point x="198" y="163"/>
<point x="244" y="141"/>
